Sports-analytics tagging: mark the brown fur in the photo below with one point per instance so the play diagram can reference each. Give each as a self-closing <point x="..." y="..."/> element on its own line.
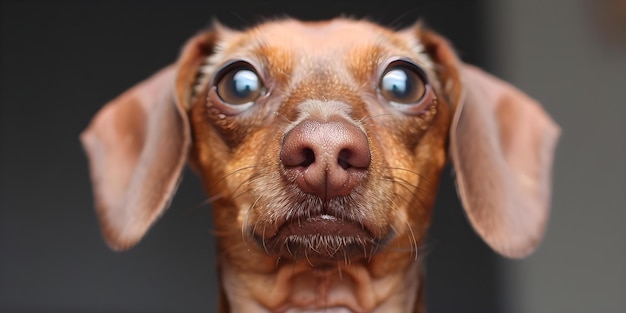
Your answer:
<point x="322" y="72"/>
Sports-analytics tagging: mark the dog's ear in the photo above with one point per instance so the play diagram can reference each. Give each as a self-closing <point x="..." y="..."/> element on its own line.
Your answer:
<point x="137" y="146"/>
<point x="501" y="144"/>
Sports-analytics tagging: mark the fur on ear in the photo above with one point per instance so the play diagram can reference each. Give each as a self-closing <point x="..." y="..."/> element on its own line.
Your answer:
<point x="137" y="146"/>
<point x="502" y="145"/>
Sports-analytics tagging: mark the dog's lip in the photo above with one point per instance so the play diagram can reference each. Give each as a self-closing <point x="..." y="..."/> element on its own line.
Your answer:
<point x="324" y="224"/>
<point x="322" y="240"/>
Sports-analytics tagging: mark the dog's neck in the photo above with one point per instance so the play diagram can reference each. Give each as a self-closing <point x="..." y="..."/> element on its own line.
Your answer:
<point x="297" y="287"/>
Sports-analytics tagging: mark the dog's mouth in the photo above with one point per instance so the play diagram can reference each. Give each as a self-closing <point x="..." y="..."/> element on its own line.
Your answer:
<point x="322" y="240"/>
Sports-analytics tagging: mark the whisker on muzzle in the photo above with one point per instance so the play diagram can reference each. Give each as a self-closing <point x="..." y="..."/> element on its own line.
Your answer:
<point x="219" y="181"/>
<point x="418" y="174"/>
<point x="218" y="196"/>
<point x="369" y="118"/>
<point x="246" y="220"/>
<point x="284" y="117"/>
<point x="414" y="190"/>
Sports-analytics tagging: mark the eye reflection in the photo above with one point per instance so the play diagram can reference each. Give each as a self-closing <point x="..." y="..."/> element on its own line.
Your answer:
<point x="401" y="84"/>
<point x="239" y="85"/>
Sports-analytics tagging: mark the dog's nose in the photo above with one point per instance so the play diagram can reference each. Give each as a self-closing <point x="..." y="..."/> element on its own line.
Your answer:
<point x="326" y="158"/>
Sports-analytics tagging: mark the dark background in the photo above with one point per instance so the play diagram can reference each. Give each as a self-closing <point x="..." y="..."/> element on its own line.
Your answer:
<point x="62" y="60"/>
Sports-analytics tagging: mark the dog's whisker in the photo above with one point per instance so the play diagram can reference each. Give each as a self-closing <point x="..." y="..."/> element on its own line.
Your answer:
<point x="406" y="183"/>
<point x="410" y="233"/>
<point x="369" y="118"/>
<point x="246" y="221"/>
<point x="364" y="247"/>
<point x="239" y="170"/>
<point x="213" y="198"/>
<point x="254" y="227"/>
<point x="373" y="251"/>
<point x="306" y="256"/>
<point x="418" y="174"/>
<point x="413" y="239"/>
<point x="283" y="116"/>
<point x="401" y="185"/>
<point x="415" y="191"/>
<point x="314" y="246"/>
<point x="241" y="194"/>
<point x="314" y="164"/>
<point x="247" y="181"/>
<point x="289" y="249"/>
<point x="192" y="209"/>
<point x="240" y="18"/>
<point x="234" y="248"/>
<point x="263" y="239"/>
<point x="335" y="249"/>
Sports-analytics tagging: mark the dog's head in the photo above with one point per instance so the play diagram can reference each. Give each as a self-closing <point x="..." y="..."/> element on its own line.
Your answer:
<point x="324" y="142"/>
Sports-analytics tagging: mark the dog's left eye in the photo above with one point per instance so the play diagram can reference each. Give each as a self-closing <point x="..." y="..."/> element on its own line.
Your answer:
<point x="239" y="84"/>
<point x="402" y="83"/>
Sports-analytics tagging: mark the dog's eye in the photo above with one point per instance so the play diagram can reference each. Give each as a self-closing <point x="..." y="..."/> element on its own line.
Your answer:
<point x="239" y="84"/>
<point x="402" y="83"/>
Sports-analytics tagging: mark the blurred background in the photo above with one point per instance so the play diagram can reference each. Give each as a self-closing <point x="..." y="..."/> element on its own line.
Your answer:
<point x="60" y="61"/>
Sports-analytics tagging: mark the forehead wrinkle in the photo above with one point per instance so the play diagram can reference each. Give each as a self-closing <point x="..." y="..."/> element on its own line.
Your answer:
<point x="304" y="64"/>
<point x="345" y="51"/>
<point x="363" y="62"/>
<point x="277" y="61"/>
<point x="309" y="38"/>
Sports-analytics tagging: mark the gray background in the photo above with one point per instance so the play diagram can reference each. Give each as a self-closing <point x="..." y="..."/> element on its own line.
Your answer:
<point x="559" y="52"/>
<point x="61" y="60"/>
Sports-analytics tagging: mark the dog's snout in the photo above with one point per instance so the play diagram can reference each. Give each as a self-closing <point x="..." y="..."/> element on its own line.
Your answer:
<point x="326" y="158"/>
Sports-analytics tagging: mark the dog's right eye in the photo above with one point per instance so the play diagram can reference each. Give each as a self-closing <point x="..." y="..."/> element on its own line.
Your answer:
<point x="239" y="84"/>
<point x="402" y="83"/>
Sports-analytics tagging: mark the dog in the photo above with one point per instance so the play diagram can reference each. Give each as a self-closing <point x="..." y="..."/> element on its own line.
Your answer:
<point x="320" y="145"/>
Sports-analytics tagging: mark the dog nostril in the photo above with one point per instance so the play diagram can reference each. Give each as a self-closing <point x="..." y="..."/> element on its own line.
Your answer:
<point x="344" y="157"/>
<point x="296" y="154"/>
<point x="308" y="157"/>
<point x="326" y="158"/>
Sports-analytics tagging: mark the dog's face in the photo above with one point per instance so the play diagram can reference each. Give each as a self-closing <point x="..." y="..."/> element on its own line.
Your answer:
<point x="320" y="145"/>
<point x="320" y="142"/>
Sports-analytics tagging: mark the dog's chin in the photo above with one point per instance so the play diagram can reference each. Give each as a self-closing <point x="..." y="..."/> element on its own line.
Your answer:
<point x="322" y="241"/>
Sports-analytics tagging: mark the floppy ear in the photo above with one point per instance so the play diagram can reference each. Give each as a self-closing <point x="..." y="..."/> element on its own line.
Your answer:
<point x="501" y="144"/>
<point x="137" y="145"/>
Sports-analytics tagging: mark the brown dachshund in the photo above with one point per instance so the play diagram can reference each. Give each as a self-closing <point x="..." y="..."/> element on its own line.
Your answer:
<point x="320" y="145"/>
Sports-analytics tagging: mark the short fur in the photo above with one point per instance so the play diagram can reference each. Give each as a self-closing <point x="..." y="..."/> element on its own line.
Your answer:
<point x="323" y="75"/>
